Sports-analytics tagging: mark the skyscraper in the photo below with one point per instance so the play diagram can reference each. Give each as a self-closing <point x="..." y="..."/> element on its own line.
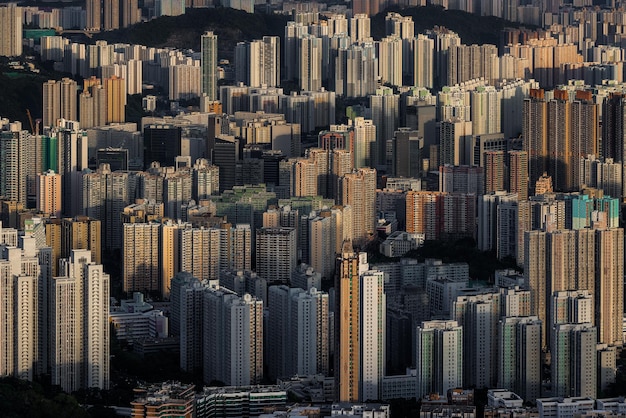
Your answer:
<point x="494" y="171"/>
<point x="558" y="260"/>
<point x="358" y="189"/>
<point x="423" y="65"/>
<point x="299" y="341"/>
<point x="48" y="193"/>
<point x="257" y="63"/>
<point x="104" y="197"/>
<point x="16" y="149"/>
<point x="208" y="58"/>
<point x="72" y="160"/>
<point x="233" y="338"/>
<point x="11" y="35"/>
<point x="140" y="261"/>
<point x="478" y="313"/>
<point x="519" y="353"/>
<point x="385" y="115"/>
<point x="535" y="133"/>
<point x="79" y="309"/>
<point x="59" y="101"/>
<point x="187" y="300"/>
<point x="609" y="295"/>
<point x="574" y="360"/>
<point x="439" y="357"/>
<point x="347" y="329"/>
<point x="518" y="174"/>
<point x="116" y="99"/>
<point x="310" y="63"/>
<point x="372" y="305"/>
<point x="276" y="253"/>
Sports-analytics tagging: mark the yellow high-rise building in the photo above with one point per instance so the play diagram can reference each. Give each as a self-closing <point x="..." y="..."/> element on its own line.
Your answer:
<point x="116" y="99"/>
<point x="348" y="351"/>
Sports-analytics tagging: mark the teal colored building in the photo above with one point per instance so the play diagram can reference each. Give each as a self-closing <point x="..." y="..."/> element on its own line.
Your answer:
<point x="49" y="153"/>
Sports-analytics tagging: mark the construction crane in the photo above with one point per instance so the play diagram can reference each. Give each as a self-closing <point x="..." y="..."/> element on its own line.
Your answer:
<point x="30" y="119"/>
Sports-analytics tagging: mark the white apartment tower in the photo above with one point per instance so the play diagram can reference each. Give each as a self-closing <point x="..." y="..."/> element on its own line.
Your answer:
<point x="310" y="63"/>
<point x="79" y="309"/>
<point x="373" y="310"/>
<point x="423" y="64"/>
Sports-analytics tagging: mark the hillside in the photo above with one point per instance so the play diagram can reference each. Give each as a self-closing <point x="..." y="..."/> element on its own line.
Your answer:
<point x="473" y="29"/>
<point x="184" y="32"/>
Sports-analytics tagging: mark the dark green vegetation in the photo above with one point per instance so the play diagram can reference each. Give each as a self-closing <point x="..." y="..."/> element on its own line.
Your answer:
<point x="19" y="398"/>
<point x="482" y="264"/>
<point x="184" y="32"/>
<point x="473" y="29"/>
<point x="20" y="90"/>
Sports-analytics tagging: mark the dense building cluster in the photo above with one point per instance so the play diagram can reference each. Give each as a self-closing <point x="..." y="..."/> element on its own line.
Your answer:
<point x="244" y="211"/>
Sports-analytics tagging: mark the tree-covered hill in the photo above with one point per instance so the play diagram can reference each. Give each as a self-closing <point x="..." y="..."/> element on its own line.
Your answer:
<point x="473" y="29"/>
<point x="184" y="32"/>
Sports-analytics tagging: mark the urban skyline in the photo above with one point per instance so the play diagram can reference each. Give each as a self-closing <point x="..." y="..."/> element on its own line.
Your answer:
<point x="278" y="224"/>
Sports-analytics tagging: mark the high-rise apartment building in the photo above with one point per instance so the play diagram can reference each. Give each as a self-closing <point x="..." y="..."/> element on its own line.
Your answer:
<point x="453" y="135"/>
<point x="208" y="59"/>
<point x="105" y="194"/>
<point x="257" y="63"/>
<point x="116" y="99"/>
<point x="356" y="70"/>
<point x="385" y="107"/>
<point x="373" y="308"/>
<point x="11" y="36"/>
<point x="439" y="357"/>
<point x="110" y="14"/>
<point x="140" y="257"/>
<point x="347" y="327"/>
<point x="358" y="189"/>
<point x="558" y="132"/>
<point x="609" y="297"/>
<point x="423" y="49"/>
<point x="519" y="366"/>
<point x="17" y="147"/>
<point x="574" y="360"/>
<point x="276" y="253"/>
<point x="233" y="338"/>
<point x="59" y="101"/>
<point x="48" y="193"/>
<point x="20" y="278"/>
<point x="479" y="313"/>
<point x="438" y="214"/>
<point x="79" y="324"/>
<point x="390" y="58"/>
<point x="518" y="174"/>
<point x="187" y="298"/>
<point x="201" y="244"/>
<point x="299" y="341"/>
<point x="494" y="171"/>
<point x="363" y="145"/>
<point x="360" y="330"/>
<point x="310" y="63"/>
